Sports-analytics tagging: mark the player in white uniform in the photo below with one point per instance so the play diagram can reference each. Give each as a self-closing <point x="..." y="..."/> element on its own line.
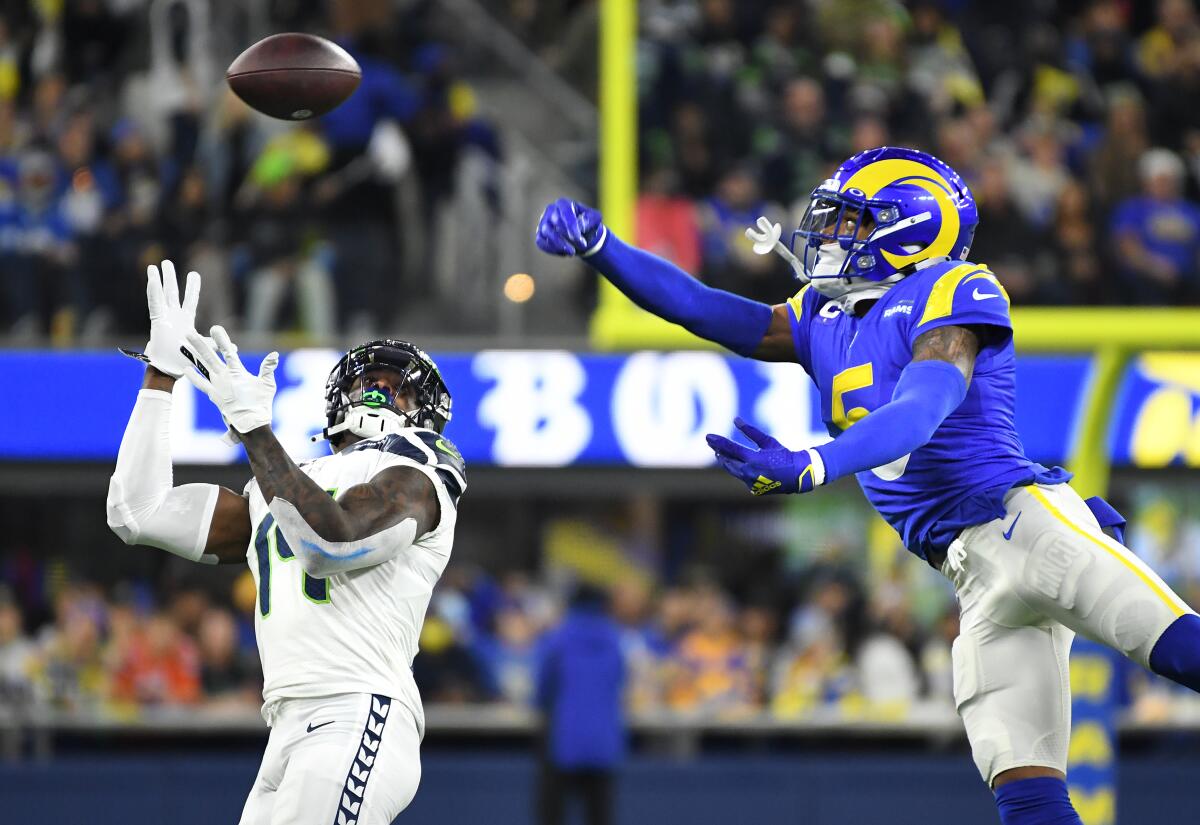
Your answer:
<point x="345" y="552"/>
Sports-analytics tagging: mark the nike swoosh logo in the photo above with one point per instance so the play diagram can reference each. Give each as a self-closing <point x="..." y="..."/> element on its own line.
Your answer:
<point x="1008" y="533"/>
<point x="983" y="296"/>
<point x="312" y="727"/>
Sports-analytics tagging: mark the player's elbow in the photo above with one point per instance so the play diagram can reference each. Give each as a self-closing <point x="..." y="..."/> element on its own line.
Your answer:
<point x="122" y="527"/>
<point x="316" y="565"/>
<point x="320" y="562"/>
<point x="925" y="425"/>
<point x="119" y="514"/>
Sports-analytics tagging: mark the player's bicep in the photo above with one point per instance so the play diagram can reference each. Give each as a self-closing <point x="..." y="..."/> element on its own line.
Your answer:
<point x="229" y="532"/>
<point x="953" y="344"/>
<point x="777" y="344"/>
<point x="787" y="334"/>
<point x="392" y="495"/>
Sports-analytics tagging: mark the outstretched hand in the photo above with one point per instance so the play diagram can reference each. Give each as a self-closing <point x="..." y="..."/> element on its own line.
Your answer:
<point x="170" y="319"/>
<point x="771" y="468"/>
<point x="243" y="398"/>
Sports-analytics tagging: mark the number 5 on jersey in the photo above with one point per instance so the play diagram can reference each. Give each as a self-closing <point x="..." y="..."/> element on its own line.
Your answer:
<point x="847" y="381"/>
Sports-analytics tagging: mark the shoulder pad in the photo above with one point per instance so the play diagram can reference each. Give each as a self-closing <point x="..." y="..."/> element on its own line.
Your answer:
<point x="936" y="270"/>
<point x="961" y="293"/>
<point x="447" y="455"/>
<point x="427" y="448"/>
<point x="449" y="461"/>
<point x="395" y="443"/>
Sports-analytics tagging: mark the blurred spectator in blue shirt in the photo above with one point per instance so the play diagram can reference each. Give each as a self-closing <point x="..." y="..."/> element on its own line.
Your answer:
<point x="383" y="94"/>
<point x="92" y="193"/>
<point x="581" y="679"/>
<point x="37" y="254"/>
<point x="1158" y="234"/>
<point x="508" y="656"/>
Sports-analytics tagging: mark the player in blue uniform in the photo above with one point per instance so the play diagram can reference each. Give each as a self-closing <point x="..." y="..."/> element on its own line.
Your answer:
<point x="911" y="348"/>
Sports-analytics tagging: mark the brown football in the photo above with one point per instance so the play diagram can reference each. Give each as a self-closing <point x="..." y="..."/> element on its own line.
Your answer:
<point x="294" y="76"/>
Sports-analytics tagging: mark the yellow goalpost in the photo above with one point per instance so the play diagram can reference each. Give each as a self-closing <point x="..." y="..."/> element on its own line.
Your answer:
<point x="1113" y="335"/>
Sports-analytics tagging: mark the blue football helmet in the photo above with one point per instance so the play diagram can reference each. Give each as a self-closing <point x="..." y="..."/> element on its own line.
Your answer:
<point x="883" y="213"/>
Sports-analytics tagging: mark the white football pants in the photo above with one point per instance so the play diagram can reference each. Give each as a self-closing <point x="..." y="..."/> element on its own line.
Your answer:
<point x="350" y="759"/>
<point x="1026" y="583"/>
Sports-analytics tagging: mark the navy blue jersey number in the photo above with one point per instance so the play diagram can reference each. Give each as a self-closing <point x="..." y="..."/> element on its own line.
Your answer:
<point x="268" y="537"/>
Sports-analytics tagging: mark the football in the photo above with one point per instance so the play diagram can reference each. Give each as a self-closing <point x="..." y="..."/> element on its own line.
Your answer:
<point x="294" y="76"/>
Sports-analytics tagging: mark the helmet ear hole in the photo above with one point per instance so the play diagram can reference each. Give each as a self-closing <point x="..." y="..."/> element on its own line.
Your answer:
<point x="912" y="248"/>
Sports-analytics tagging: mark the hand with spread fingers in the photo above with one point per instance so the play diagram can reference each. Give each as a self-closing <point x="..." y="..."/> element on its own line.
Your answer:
<point x="243" y="398"/>
<point x="170" y="319"/>
<point x="770" y="469"/>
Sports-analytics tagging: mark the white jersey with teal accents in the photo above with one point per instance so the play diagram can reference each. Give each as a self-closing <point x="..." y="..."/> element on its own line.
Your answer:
<point x="353" y="632"/>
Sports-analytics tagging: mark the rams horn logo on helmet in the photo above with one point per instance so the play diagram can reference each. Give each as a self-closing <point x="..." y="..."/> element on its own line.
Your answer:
<point x="897" y="171"/>
<point x="883" y="212"/>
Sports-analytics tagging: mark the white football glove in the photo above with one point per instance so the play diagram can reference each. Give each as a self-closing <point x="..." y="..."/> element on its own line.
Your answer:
<point x="244" y="399"/>
<point x="170" y="320"/>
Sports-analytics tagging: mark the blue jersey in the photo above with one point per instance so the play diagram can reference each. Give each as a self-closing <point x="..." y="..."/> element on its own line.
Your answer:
<point x="959" y="478"/>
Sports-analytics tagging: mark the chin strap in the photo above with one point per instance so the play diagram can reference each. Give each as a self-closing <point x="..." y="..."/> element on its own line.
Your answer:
<point x="849" y="300"/>
<point x="364" y="421"/>
<point x="847" y="295"/>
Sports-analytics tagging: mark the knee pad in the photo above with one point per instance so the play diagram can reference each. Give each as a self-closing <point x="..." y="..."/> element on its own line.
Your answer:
<point x="1042" y="800"/>
<point x="1176" y="654"/>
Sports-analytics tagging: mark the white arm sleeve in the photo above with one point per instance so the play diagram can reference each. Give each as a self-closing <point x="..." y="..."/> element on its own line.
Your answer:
<point x="143" y="506"/>
<point x="320" y="558"/>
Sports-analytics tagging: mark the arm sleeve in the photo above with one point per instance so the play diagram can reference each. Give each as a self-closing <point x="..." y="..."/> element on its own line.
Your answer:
<point x="664" y="289"/>
<point x="321" y="558"/>
<point x="143" y="505"/>
<point x="926" y="393"/>
<point x="423" y="450"/>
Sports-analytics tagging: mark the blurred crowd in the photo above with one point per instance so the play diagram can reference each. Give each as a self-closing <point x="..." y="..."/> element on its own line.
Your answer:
<point x="120" y="145"/>
<point x="693" y="649"/>
<point x="688" y="649"/>
<point x="118" y="653"/>
<point x="1073" y="122"/>
<point x="714" y="619"/>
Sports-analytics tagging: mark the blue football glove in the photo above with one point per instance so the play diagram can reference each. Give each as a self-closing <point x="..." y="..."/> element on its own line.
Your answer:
<point x="770" y="469"/>
<point x="568" y="228"/>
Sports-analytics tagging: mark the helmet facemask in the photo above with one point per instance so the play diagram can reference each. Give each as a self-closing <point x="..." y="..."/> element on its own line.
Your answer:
<point x="371" y="408"/>
<point x="836" y="234"/>
<point x="384" y="387"/>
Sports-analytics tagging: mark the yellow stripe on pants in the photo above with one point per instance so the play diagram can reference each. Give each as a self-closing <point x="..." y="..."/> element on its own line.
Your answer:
<point x="1158" y="588"/>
